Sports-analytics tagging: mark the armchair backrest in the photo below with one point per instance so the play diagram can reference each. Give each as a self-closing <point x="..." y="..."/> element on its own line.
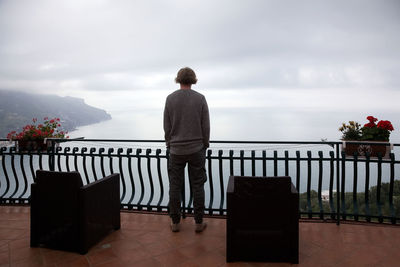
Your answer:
<point x="66" y="182"/>
<point x="59" y="190"/>
<point x="262" y="201"/>
<point x="70" y="179"/>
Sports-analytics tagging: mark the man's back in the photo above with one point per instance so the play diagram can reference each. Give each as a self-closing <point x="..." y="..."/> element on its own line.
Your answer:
<point x="186" y="122"/>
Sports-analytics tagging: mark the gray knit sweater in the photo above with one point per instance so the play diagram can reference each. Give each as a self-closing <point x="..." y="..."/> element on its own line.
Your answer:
<point x="186" y="122"/>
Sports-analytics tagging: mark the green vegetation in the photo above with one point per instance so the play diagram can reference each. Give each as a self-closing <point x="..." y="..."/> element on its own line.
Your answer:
<point x="360" y="201"/>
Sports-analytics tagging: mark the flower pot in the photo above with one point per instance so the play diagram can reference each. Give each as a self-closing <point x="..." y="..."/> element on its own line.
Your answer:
<point x="373" y="148"/>
<point x="32" y="146"/>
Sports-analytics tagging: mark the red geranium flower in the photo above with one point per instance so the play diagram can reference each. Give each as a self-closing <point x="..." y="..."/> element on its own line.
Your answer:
<point x="369" y="125"/>
<point x="47" y="129"/>
<point x="386" y="125"/>
<point x="372" y="119"/>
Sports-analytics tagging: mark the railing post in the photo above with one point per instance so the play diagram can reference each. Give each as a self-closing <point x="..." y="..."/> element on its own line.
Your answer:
<point x="343" y="186"/>
<point x="210" y="181"/>
<point x="309" y="208"/>
<point x="379" y="188"/>
<point x="83" y="155"/>
<point x="392" y="211"/>
<point x="51" y="154"/>
<point x="139" y="168"/>
<point x="221" y="182"/>
<point x="160" y="180"/>
<point x="337" y="185"/>
<point x="366" y="199"/>
<point x="355" y="182"/>
<point x="121" y="172"/>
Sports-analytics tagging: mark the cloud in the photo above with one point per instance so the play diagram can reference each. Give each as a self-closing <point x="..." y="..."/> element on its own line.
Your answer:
<point x="76" y="46"/>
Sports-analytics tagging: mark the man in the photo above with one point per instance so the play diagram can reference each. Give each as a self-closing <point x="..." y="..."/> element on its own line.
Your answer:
<point x="187" y="135"/>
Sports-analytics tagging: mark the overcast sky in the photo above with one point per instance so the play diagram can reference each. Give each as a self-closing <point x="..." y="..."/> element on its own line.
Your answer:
<point x="328" y="55"/>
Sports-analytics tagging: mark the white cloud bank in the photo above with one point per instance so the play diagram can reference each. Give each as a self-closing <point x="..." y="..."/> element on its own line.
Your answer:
<point x="246" y="53"/>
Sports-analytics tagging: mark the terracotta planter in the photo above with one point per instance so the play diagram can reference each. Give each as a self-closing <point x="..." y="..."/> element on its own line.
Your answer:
<point x="33" y="146"/>
<point x="350" y="147"/>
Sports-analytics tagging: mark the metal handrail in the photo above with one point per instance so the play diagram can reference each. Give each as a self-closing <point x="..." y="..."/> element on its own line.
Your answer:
<point x="144" y="177"/>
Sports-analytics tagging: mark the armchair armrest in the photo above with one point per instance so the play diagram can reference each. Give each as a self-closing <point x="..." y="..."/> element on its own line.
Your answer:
<point x="231" y="185"/>
<point x="293" y="189"/>
<point x="100" y="210"/>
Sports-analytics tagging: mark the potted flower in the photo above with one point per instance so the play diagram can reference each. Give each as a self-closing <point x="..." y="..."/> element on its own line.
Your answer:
<point x="33" y="137"/>
<point x="371" y="132"/>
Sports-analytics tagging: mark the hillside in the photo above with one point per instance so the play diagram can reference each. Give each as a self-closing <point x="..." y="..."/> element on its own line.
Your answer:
<point x="17" y="109"/>
<point x="360" y="200"/>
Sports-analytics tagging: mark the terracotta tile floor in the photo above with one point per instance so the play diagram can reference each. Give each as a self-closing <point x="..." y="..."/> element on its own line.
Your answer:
<point x="146" y="240"/>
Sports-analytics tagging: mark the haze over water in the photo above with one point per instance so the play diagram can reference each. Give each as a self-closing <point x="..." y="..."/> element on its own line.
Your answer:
<point x="261" y="124"/>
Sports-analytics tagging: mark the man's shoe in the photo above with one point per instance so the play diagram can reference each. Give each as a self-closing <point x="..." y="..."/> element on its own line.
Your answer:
<point x="175" y="227"/>
<point x="200" y="227"/>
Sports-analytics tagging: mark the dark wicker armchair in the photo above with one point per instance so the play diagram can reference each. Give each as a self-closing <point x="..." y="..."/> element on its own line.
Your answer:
<point x="262" y="219"/>
<point x="69" y="216"/>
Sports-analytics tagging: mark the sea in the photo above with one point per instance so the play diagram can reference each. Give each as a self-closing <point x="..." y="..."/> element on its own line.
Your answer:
<point x="244" y="124"/>
<point x="250" y="124"/>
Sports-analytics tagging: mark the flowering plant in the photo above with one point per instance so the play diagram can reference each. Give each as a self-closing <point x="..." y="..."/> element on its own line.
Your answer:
<point x="351" y="131"/>
<point x="371" y="131"/>
<point x="47" y="129"/>
<point x="376" y="132"/>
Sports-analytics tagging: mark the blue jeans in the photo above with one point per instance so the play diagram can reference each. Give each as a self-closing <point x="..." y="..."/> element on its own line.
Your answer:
<point x="197" y="178"/>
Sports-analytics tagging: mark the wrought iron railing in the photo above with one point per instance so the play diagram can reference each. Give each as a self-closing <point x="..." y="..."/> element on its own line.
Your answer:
<point x="330" y="183"/>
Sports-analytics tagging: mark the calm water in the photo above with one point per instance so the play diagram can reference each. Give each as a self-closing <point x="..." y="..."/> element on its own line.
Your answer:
<point x="238" y="124"/>
<point x="233" y="124"/>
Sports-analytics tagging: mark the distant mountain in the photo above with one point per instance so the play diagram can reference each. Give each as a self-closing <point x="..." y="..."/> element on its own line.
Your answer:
<point x="17" y="109"/>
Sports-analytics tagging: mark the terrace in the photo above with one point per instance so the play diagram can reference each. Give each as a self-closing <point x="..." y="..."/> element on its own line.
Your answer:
<point x="349" y="205"/>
